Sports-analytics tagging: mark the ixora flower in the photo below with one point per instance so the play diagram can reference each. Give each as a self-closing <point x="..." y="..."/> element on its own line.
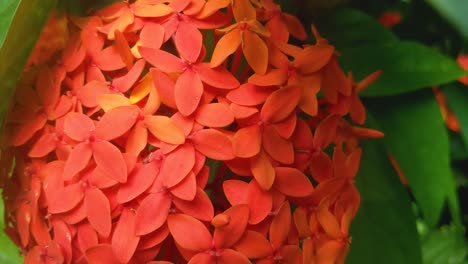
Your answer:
<point x="184" y="131"/>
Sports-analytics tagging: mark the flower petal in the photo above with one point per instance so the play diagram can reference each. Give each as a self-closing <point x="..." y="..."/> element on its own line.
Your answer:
<point x="214" y="115"/>
<point x="116" y="122"/>
<point x="101" y="253"/>
<point x="325" y="131"/>
<point x="125" y="82"/>
<point x="227" y="235"/>
<point x="146" y="10"/>
<point x="109" y="101"/>
<point x="254" y="245"/>
<point x="188" y="41"/>
<point x="109" y="59"/>
<point x="217" y="77"/>
<point x="278" y="148"/>
<point x="165" y="87"/>
<point x="152" y="213"/>
<point x="137" y="139"/>
<point x="177" y="165"/>
<point x="235" y="191"/>
<point x="280" y="226"/>
<point x="152" y="35"/>
<point x="281" y="103"/>
<point x="110" y="160"/>
<point x="86" y="236"/>
<point x="188" y="92"/>
<point x="162" y="60"/>
<point x="66" y="199"/>
<point x="292" y="182"/>
<point x="226" y="46"/>
<point x="78" y="126"/>
<point x="189" y="232"/>
<point x="260" y="203"/>
<point x="98" y="211"/>
<point x="164" y="128"/>
<point x="229" y="256"/>
<point x="200" y="207"/>
<point x="262" y="170"/>
<point x="27" y="130"/>
<point x="121" y="44"/>
<point x="43" y="146"/>
<point x="138" y="181"/>
<point x="77" y="160"/>
<point x="213" y="144"/>
<point x="272" y="77"/>
<point x="255" y="52"/>
<point x="249" y="95"/>
<point x="186" y="189"/>
<point x="243" y="10"/>
<point x="124" y="241"/>
<point x="247" y="141"/>
<point x="313" y="58"/>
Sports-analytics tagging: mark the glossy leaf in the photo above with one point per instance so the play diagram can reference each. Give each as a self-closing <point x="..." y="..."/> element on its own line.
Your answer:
<point x="453" y="11"/>
<point x="406" y="66"/>
<point x="9" y="253"/>
<point x="445" y="245"/>
<point x="427" y="165"/>
<point x="361" y="29"/>
<point x="384" y="201"/>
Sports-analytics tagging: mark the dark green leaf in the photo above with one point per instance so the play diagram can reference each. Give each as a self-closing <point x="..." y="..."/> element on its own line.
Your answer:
<point x="384" y="230"/>
<point x="446" y="245"/>
<point x="457" y="100"/>
<point x="416" y="136"/>
<point x="455" y="12"/>
<point x="7" y="11"/>
<point x="407" y="66"/>
<point x="26" y="24"/>
<point x="349" y="27"/>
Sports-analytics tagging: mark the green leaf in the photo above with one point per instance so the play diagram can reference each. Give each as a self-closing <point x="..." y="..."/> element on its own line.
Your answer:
<point x="446" y="245"/>
<point x="455" y="12"/>
<point x="407" y="66"/>
<point x="22" y="32"/>
<point x="384" y="230"/>
<point x="350" y="27"/>
<point x="7" y="10"/>
<point x="9" y="252"/>
<point x="416" y="136"/>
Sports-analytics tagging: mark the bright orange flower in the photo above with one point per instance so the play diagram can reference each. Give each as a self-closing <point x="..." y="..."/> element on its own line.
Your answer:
<point x="131" y="148"/>
<point x="246" y="33"/>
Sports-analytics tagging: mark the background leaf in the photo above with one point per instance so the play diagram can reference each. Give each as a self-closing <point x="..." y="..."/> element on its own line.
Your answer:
<point x="9" y="252"/>
<point x="455" y="12"/>
<point x="416" y="136"/>
<point x="407" y="66"/>
<point x="445" y="245"/>
<point x="7" y="11"/>
<point x="384" y="230"/>
<point x="456" y="96"/>
<point x="350" y="27"/>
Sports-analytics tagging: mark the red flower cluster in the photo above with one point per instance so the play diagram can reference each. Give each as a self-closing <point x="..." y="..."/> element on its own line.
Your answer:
<point x="130" y="146"/>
